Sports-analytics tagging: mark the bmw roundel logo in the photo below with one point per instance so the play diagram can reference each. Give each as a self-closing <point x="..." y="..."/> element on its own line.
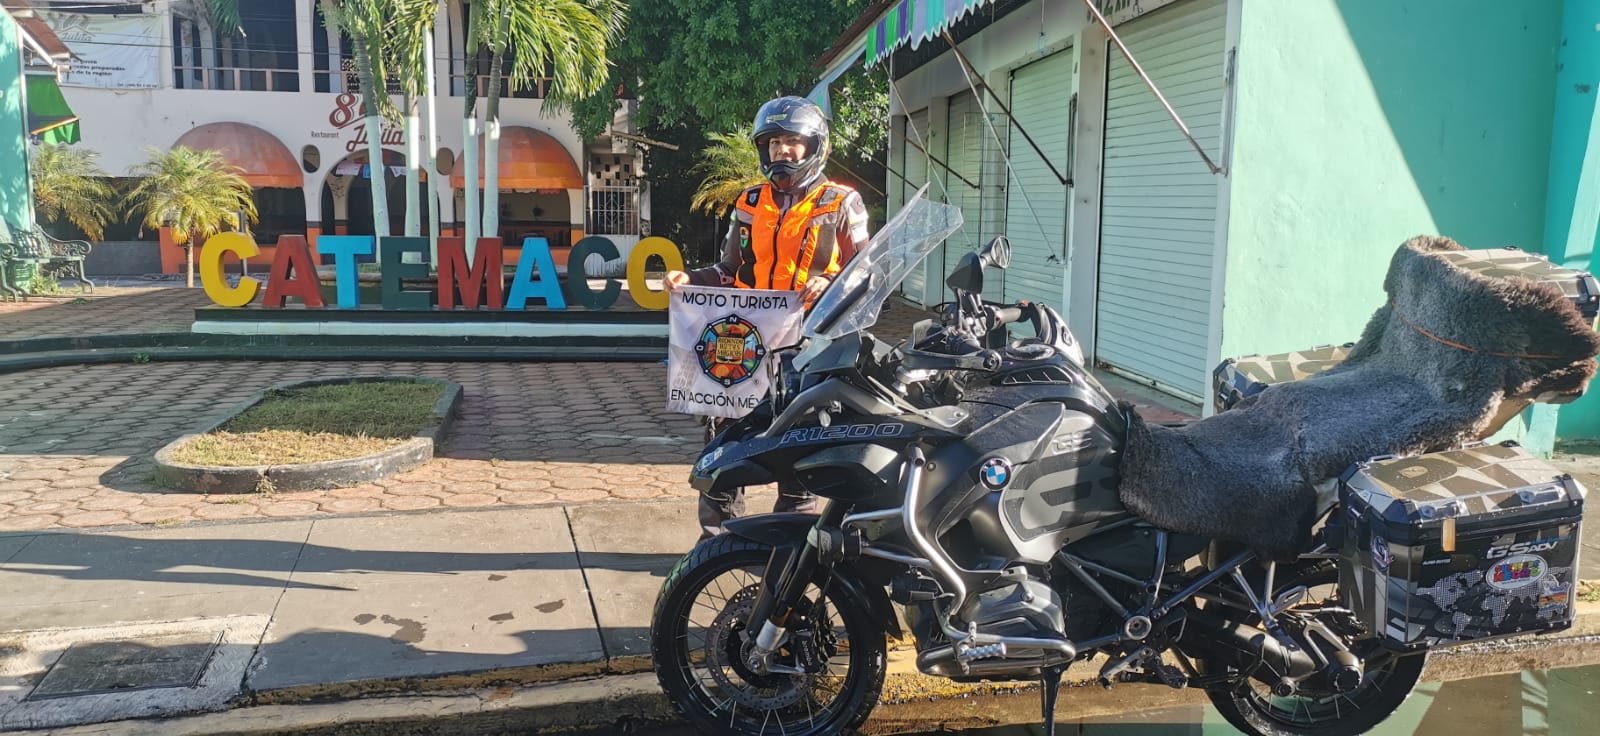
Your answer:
<point x="995" y="473"/>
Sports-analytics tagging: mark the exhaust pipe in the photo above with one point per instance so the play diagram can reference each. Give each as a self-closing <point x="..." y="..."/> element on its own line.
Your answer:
<point x="1211" y="633"/>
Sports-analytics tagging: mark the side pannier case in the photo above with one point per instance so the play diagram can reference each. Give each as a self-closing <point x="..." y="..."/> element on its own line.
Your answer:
<point x="1454" y="546"/>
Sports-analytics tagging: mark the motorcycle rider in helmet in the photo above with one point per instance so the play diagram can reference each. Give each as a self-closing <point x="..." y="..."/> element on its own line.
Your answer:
<point x="793" y="232"/>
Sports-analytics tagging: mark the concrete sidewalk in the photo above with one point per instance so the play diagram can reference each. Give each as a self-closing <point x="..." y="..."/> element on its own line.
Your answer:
<point x="337" y="607"/>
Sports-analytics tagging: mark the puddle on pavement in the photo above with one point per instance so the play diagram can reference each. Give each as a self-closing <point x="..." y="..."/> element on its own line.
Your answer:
<point x="1533" y="703"/>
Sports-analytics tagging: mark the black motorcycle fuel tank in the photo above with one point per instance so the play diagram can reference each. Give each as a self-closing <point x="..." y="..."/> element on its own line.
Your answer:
<point x="1039" y="471"/>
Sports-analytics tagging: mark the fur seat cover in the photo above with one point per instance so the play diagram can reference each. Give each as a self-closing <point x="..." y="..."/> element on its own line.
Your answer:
<point x="1247" y="474"/>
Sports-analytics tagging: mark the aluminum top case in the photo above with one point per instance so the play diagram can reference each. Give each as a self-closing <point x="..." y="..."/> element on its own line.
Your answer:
<point x="1579" y="286"/>
<point x="1240" y="378"/>
<point x="1446" y="547"/>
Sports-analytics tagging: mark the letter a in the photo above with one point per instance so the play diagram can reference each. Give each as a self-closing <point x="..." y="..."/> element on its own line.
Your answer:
<point x="294" y="273"/>
<point x="523" y="286"/>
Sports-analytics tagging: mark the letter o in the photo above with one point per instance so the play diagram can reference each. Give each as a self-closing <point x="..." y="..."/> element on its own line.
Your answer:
<point x="651" y="246"/>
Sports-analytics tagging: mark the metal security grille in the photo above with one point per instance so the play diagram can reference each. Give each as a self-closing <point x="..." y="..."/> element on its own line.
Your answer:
<point x="613" y="210"/>
<point x="1159" y="201"/>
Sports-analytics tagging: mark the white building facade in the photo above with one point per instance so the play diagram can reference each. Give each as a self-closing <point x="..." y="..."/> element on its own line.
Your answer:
<point x="279" y="102"/>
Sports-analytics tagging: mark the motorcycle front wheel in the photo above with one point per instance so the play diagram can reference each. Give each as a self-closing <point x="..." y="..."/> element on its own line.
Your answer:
<point x="698" y="642"/>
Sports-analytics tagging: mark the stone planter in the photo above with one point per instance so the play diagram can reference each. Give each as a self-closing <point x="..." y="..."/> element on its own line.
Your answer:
<point x="310" y="476"/>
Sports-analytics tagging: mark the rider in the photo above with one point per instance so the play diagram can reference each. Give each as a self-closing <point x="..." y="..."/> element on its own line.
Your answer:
<point x="793" y="232"/>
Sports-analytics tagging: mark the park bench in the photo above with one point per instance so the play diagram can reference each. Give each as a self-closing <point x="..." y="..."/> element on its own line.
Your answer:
<point x="46" y="253"/>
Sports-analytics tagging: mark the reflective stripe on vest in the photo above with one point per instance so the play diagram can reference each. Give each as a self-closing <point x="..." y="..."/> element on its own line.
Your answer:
<point x="783" y="248"/>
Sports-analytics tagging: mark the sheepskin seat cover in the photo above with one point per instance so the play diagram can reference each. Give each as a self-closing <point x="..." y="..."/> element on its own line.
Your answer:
<point x="1247" y="474"/>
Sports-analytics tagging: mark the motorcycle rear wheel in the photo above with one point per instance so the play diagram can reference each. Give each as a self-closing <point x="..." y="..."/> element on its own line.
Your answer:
<point x="1253" y="709"/>
<point x="697" y="635"/>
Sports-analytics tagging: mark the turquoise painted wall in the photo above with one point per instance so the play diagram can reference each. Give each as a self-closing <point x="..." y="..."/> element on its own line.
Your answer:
<point x="1572" y="225"/>
<point x="16" y="203"/>
<point x="1361" y="123"/>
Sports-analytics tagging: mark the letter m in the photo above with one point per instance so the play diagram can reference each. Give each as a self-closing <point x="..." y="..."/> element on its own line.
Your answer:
<point x="484" y="275"/>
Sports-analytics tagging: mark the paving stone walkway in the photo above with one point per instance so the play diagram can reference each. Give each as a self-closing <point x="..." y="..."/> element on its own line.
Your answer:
<point x="108" y="311"/>
<point x="76" y="442"/>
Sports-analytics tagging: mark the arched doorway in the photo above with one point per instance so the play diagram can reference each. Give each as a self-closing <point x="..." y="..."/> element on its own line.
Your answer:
<point x="537" y="178"/>
<point x="347" y="195"/>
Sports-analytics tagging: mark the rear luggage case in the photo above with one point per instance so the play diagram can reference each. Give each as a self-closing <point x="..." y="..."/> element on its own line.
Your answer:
<point x="1454" y="546"/>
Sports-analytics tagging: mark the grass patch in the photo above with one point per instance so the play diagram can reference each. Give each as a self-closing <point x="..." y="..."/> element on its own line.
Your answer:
<point x="317" y="424"/>
<point x="1589" y="592"/>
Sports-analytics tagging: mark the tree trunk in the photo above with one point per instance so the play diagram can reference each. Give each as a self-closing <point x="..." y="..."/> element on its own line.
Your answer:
<point x="374" y="122"/>
<point x="413" y="168"/>
<point x="491" y="146"/>
<point x="432" y="152"/>
<point x="188" y="257"/>
<point x="469" y="149"/>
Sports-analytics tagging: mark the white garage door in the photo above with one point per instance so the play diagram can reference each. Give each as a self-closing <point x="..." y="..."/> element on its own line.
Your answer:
<point x="916" y="171"/>
<point x="1159" y="201"/>
<point x="964" y="156"/>
<point x="1036" y="200"/>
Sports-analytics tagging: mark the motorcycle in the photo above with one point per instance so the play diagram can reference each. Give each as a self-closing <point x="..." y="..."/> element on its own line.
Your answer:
<point x="971" y="481"/>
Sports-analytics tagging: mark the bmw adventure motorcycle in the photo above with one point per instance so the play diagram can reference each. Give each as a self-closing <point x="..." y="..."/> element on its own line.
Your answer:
<point x="971" y="480"/>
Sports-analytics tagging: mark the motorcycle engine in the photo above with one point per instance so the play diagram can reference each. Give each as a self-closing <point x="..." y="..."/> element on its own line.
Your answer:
<point x="1027" y="608"/>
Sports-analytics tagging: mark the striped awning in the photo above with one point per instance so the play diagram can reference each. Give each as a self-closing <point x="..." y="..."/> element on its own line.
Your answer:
<point x="910" y="22"/>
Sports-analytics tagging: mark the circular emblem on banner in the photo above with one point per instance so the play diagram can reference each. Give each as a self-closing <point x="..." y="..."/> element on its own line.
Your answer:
<point x="995" y="473"/>
<point x="730" y="350"/>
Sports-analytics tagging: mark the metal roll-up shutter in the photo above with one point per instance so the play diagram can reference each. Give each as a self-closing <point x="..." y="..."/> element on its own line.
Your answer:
<point x="1036" y="200"/>
<point x="916" y="171"/>
<point x="1159" y="200"/>
<point x="964" y="154"/>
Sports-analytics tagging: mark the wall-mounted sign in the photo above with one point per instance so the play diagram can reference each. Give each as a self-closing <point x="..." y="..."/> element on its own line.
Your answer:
<point x="113" y="51"/>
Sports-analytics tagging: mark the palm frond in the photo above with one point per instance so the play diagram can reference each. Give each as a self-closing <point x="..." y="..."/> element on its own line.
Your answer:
<point x="730" y="165"/>
<point x="193" y="191"/>
<point x="67" y="182"/>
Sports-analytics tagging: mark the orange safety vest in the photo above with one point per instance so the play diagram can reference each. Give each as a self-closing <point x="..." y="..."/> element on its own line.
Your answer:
<point x="780" y="250"/>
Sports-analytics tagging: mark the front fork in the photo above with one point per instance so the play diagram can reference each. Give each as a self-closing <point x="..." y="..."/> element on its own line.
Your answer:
<point x="793" y="565"/>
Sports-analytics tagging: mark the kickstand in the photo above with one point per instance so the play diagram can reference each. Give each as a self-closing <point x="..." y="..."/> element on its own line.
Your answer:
<point x="1050" y="685"/>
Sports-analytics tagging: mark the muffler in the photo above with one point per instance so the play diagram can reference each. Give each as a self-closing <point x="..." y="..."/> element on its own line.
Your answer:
<point x="1208" y="633"/>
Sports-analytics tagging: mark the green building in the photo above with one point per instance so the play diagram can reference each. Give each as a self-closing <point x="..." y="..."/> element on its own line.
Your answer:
<point x="1325" y="133"/>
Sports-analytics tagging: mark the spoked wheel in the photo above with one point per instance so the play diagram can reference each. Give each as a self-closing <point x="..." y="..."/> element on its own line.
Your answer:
<point x="1319" y="710"/>
<point x="699" y="643"/>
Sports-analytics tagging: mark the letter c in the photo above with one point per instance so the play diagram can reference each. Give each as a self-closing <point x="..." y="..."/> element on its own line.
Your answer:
<point x="211" y="277"/>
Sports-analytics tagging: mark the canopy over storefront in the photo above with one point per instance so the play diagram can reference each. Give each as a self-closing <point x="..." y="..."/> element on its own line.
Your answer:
<point x="890" y="24"/>
<point x="264" y="159"/>
<point x="529" y="159"/>
<point x="49" y="116"/>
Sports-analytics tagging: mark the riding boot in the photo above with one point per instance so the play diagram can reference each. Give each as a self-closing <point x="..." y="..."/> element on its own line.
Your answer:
<point x="794" y="500"/>
<point x="717" y="507"/>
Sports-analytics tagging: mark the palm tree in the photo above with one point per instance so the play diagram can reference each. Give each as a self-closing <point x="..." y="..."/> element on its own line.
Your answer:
<point x="68" y="182"/>
<point x="566" y="40"/>
<point x="363" y="22"/>
<point x="731" y="165"/>
<point x="193" y="192"/>
<point x="409" y="48"/>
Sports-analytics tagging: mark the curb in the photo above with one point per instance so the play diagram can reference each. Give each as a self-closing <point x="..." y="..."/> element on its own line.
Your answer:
<point x="419" y="354"/>
<point x="623" y="703"/>
<point x="411" y="454"/>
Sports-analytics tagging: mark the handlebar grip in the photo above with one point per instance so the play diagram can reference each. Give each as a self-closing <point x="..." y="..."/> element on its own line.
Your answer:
<point x="1007" y="315"/>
